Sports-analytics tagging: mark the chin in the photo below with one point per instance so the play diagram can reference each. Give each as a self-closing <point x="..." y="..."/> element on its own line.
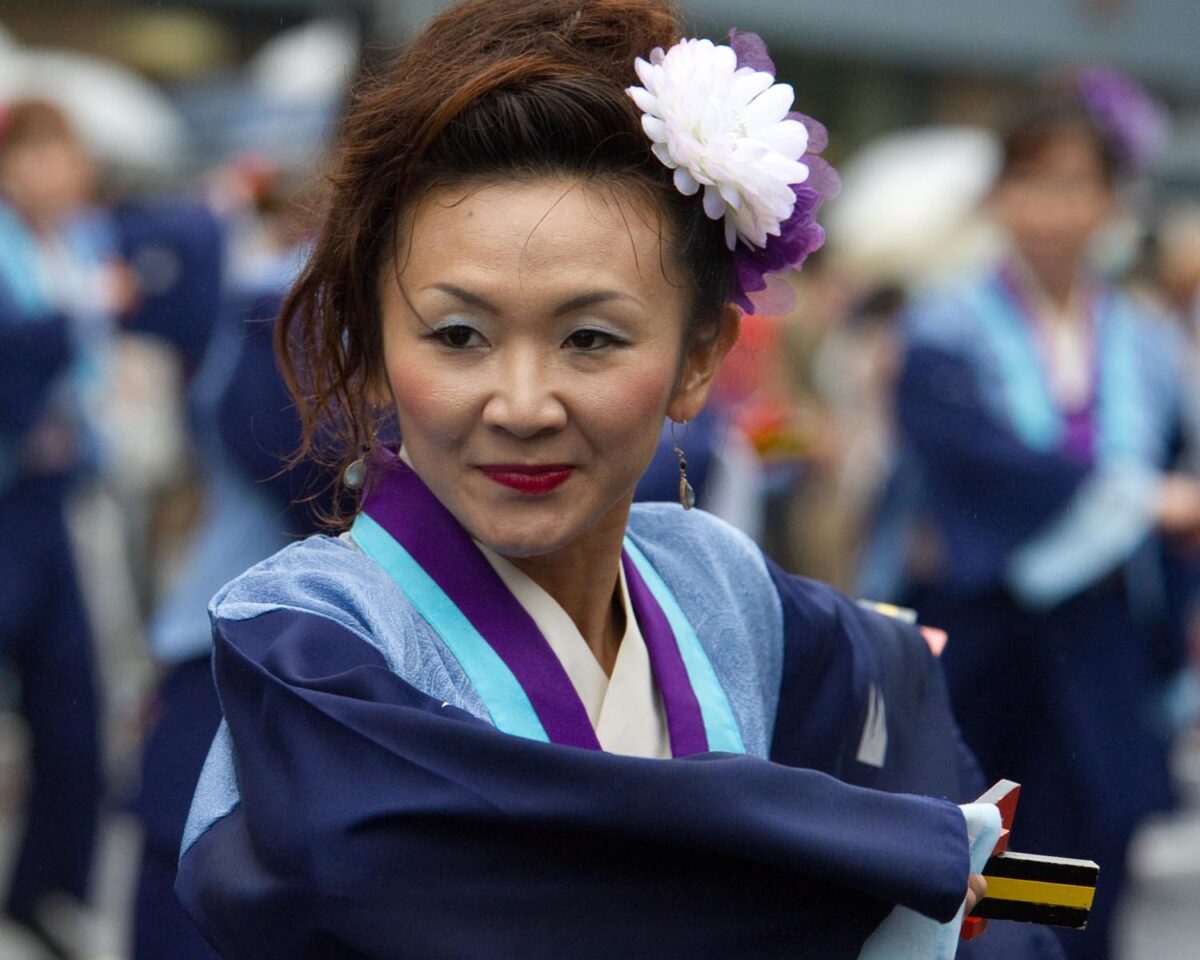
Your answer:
<point x="520" y="547"/>
<point x="516" y="539"/>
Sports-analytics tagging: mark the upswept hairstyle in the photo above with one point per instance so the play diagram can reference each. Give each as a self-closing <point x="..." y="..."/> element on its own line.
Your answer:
<point x="490" y="91"/>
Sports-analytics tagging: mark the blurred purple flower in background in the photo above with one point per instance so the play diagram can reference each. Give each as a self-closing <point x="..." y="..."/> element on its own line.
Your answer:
<point x="1136" y="125"/>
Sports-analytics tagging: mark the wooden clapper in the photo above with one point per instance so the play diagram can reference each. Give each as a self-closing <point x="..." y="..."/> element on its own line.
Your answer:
<point x="1027" y="887"/>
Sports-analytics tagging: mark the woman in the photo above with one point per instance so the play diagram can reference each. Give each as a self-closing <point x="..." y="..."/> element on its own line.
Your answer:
<point x="447" y="731"/>
<point x="61" y="291"/>
<point x="1039" y="407"/>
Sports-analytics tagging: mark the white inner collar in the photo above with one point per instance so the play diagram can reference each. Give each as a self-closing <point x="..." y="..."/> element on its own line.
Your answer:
<point x="625" y="710"/>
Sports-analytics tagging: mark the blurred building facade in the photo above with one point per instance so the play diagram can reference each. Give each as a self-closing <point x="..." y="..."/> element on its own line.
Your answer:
<point x="867" y="66"/>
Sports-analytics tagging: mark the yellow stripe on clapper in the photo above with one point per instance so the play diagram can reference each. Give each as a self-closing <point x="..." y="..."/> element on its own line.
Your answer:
<point x="1039" y="892"/>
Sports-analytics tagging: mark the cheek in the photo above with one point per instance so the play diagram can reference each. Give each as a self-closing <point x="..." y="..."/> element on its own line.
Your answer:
<point x="631" y="407"/>
<point x="428" y="401"/>
<point x="1093" y="215"/>
<point x="650" y="397"/>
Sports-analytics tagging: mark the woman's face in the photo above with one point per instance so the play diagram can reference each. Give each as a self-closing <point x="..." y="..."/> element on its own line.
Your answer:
<point x="47" y="178"/>
<point x="533" y="341"/>
<point x="1055" y="201"/>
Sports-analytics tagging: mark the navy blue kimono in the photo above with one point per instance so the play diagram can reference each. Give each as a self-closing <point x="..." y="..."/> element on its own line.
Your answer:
<point x="405" y="771"/>
<point x="45" y="637"/>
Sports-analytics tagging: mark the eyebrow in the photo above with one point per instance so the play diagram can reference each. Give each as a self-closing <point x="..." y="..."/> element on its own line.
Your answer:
<point x="579" y="302"/>
<point x="466" y="296"/>
<point x="591" y="299"/>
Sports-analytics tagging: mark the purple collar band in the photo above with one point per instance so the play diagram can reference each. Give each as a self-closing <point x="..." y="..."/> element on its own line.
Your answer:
<point x="1079" y="424"/>
<point x="399" y="502"/>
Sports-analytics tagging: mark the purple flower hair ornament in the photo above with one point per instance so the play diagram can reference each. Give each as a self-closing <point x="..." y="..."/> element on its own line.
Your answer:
<point x="1136" y="125"/>
<point x="716" y="117"/>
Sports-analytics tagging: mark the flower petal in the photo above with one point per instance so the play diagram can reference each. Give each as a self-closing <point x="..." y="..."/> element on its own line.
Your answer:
<point x="788" y="137"/>
<point x="822" y="178"/>
<point x="751" y="51"/>
<point x="818" y="136"/>
<point x="655" y="128"/>
<point x="730" y="195"/>
<point x="646" y="71"/>
<point x="770" y="106"/>
<point x="714" y="203"/>
<point x="685" y="183"/>
<point x="645" y="100"/>
<point x="664" y="155"/>
<point x="749" y="84"/>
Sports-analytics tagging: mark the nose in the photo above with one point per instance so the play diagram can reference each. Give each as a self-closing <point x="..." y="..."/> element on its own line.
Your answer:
<point x="524" y="399"/>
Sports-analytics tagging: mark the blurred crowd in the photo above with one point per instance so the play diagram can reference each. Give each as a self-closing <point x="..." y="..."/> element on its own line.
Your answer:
<point x="980" y="401"/>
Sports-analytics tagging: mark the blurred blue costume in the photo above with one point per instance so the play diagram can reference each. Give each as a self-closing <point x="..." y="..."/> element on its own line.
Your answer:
<point x="244" y="426"/>
<point x="176" y="248"/>
<point x="404" y="769"/>
<point x="1026" y="531"/>
<point x="51" y="359"/>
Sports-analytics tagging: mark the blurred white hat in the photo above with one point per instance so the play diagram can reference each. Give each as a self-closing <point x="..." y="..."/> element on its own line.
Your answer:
<point x="123" y="118"/>
<point x="290" y="94"/>
<point x="313" y="62"/>
<point x="908" y="210"/>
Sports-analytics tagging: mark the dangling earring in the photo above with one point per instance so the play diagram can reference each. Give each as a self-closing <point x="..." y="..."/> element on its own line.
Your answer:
<point x="355" y="474"/>
<point x="687" y="496"/>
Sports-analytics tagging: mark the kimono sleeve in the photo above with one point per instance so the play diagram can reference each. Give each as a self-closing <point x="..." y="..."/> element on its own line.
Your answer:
<point x="863" y="698"/>
<point x="178" y="249"/>
<point x="375" y="821"/>
<point x="1041" y="523"/>
<point x="259" y="426"/>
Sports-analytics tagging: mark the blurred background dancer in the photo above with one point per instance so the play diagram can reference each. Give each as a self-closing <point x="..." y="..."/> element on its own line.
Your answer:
<point x="62" y="291"/>
<point x="1036" y="499"/>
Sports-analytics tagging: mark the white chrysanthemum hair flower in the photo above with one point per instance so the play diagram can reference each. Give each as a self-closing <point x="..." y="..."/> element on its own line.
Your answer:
<point x="724" y="128"/>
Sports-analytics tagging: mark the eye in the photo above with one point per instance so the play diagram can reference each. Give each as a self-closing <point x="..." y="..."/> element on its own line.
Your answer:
<point x="591" y="339"/>
<point x="457" y="336"/>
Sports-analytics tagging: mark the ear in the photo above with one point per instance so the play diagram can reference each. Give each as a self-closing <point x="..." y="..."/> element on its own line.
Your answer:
<point x="700" y="366"/>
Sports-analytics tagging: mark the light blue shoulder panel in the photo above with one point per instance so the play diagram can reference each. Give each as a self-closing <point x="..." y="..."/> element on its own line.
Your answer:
<point x="328" y="577"/>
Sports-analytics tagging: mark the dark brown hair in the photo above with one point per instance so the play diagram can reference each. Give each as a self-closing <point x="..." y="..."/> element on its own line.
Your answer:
<point x="1049" y="118"/>
<point x="491" y="90"/>
<point x="32" y="121"/>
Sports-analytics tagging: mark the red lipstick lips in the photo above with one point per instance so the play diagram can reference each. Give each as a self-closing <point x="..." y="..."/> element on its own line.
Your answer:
<point x="531" y="479"/>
